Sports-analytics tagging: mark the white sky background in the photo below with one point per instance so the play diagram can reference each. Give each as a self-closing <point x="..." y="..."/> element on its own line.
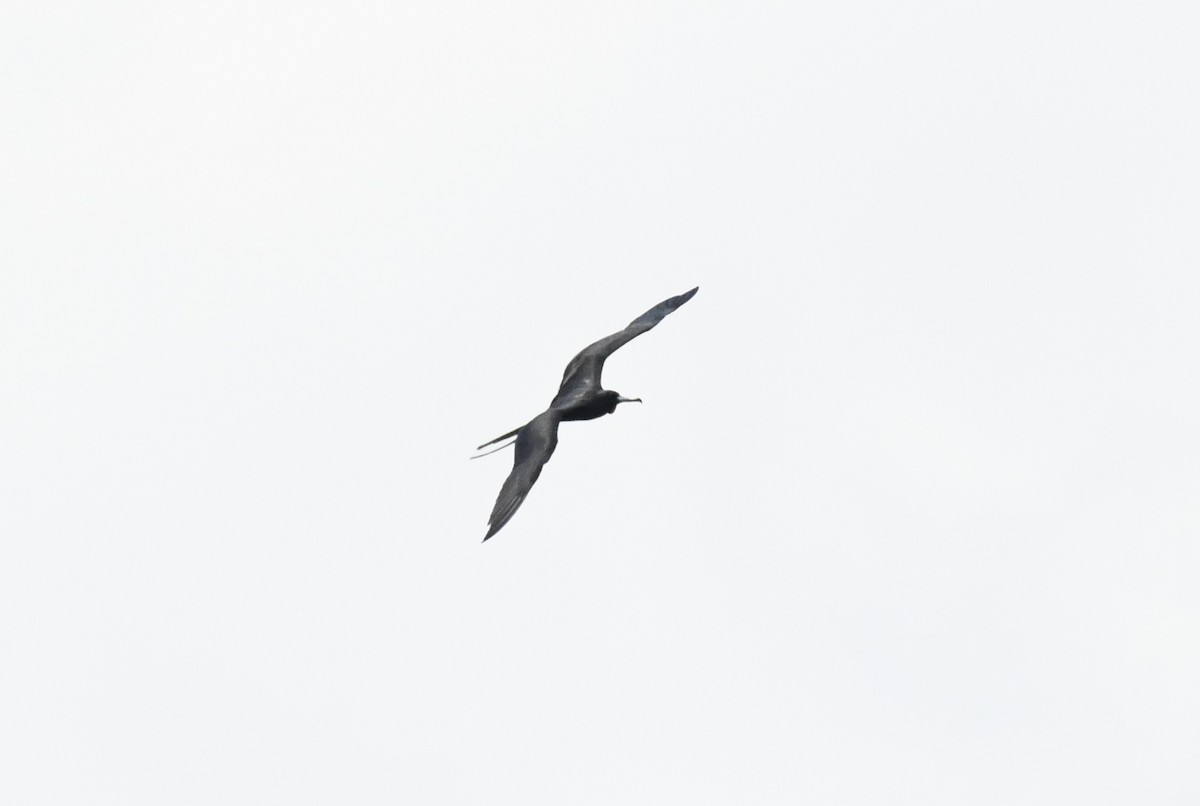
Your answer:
<point x="910" y="514"/>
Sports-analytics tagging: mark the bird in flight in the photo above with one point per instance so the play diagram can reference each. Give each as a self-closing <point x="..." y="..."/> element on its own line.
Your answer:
<point x="580" y="397"/>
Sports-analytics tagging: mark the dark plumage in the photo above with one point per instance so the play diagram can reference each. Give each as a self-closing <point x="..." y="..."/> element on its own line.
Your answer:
<point x="580" y="397"/>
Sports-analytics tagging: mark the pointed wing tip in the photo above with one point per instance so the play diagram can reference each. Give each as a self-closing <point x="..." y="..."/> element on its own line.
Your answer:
<point x="684" y="297"/>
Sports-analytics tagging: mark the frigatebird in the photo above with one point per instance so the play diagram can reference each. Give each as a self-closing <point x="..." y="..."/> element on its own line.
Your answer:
<point x="580" y="397"/>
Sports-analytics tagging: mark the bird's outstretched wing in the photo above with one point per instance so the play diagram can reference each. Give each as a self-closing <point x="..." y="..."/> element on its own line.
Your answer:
<point x="536" y="440"/>
<point x="584" y="370"/>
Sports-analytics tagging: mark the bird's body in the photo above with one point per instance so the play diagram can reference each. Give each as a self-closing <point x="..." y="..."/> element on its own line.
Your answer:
<point x="580" y="397"/>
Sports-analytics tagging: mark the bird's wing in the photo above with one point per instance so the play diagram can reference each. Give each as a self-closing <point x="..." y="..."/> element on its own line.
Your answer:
<point x="585" y="368"/>
<point x="535" y="442"/>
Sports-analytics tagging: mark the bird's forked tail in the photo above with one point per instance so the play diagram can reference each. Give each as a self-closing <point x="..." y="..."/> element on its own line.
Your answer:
<point x="500" y="438"/>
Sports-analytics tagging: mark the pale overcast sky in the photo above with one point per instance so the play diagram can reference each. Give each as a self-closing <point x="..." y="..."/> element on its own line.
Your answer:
<point x="910" y="515"/>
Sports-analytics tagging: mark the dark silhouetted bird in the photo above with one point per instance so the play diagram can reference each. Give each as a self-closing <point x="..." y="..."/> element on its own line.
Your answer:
<point x="580" y="397"/>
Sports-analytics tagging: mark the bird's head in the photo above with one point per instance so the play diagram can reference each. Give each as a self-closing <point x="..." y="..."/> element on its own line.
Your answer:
<point x="614" y="399"/>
